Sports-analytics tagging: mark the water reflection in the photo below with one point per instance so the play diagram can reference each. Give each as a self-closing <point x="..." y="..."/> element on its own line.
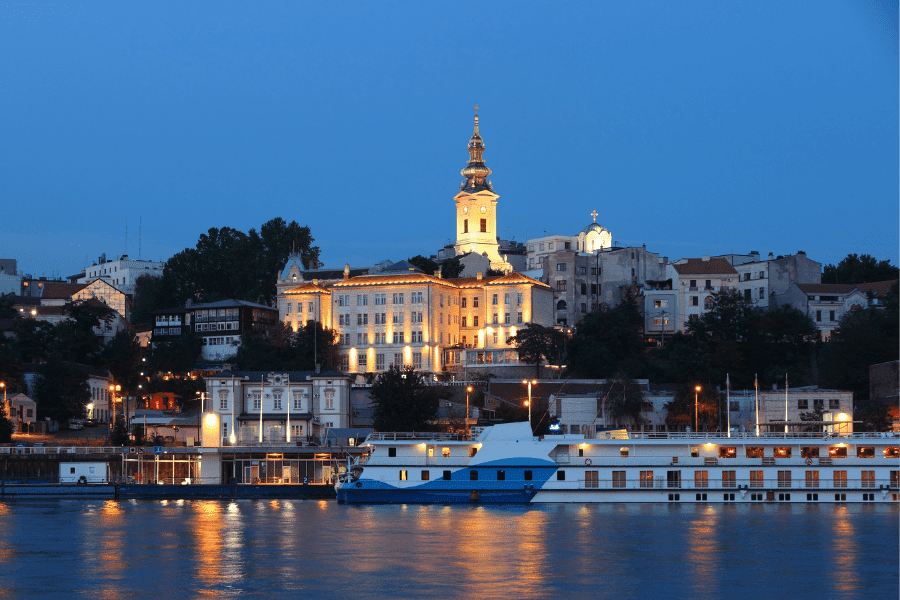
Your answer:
<point x="280" y="548"/>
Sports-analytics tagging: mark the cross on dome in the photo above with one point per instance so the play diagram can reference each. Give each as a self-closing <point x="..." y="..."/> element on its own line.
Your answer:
<point x="594" y="214"/>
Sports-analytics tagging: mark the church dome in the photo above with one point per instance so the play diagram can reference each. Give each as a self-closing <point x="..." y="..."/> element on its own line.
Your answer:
<point x="476" y="173"/>
<point x="594" y="227"/>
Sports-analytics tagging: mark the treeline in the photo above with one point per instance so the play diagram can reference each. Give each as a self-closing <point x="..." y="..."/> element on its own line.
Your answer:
<point x="226" y="264"/>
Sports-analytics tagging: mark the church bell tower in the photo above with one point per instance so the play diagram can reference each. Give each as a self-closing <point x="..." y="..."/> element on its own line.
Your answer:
<point x="476" y="207"/>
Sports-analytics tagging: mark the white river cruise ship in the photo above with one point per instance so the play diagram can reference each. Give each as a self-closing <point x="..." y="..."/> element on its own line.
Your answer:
<point x="506" y="463"/>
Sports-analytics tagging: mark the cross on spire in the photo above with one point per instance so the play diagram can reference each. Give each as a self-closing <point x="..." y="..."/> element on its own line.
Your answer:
<point x="476" y="109"/>
<point x="594" y="214"/>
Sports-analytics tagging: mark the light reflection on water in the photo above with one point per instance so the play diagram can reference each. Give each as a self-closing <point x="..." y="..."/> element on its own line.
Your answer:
<point x="273" y="548"/>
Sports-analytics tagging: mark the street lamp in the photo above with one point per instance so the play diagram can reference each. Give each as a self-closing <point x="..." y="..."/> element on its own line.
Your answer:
<point x="112" y="400"/>
<point x="529" y="383"/>
<point x="3" y="385"/>
<point x="696" y="395"/>
<point x="468" y="391"/>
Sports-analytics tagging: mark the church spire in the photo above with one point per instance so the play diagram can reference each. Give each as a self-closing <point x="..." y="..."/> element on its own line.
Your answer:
<point x="476" y="173"/>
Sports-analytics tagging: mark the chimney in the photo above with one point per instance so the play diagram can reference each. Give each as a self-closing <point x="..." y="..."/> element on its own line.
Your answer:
<point x="437" y="273"/>
<point x="346" y="270"/>
<point x="318" y="368"/>
<point x="479" y="275"/>
<point x="705" y="258"/>
<point x="315" y="282"/>
<point x="771" y="256"/>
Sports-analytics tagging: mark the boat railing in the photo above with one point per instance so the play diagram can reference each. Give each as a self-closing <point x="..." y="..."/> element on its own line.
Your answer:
<point x="883" y="484"/>
<point x="415" y="435"/>
<point x="748" y="435"/>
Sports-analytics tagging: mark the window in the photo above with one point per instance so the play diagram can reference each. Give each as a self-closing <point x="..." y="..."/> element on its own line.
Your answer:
<point x="812" y="479"/>
<point x="483" y="225"/>
<point x="446" y="475"/>
<point x="505" y="298"/>
<point x="380" y="299"/>
<point x="728" y="479"/>
<point x="329" y="399"/>
<point x="701" y="479"/>
<point x="818" y="316"/>
<point x="379" y="361"/>
<point x="475" y="302"/>
<point x="475" y="321"/>
<point x="257" y="401"/>
<point x="840" y="479"/>
<point x="834" y="403"/>
<point x="277" y="401"/>
<point x="802" y="404"/>
<point x="362" y="319"/>
<point x="223" y="403"/>
<point x="473" y="475"/>
<point x="298" y="399"/>
<point x="818" y="404"/>
<point x="465" y="226"/>
<point x="494" y="299"/>
<point x="646" y="479"/>
<point x="392" y="452"/>
<point x="519" y="298"/>
<point x="363" y="362"/>
<point x="782" y="452"/>
<point x="417" y="358"/>
<point x="403" y="474"/>
<point x="464" y="321"/>
<point x="560" y="475"/>
<point x="561" y="285"/>
<point x="809" y="452"/>
<point x="528" y="475"/>
<point x="695" y="300"/>
<point x="727" y="452"/>
<point x="561" y="266"/>
<point x="501" y="475"/>
<point x="784" y="479"/>
<point x="463" y="302"/>
<point x="398" y="359"/>
<point x="762" y="293"/>
<point x="831" y="315"/>
<point x="693" y="283"/>
<point x="623" y="451"/>
<point x="473" y="451"/>
<point x="865" y="452"/>
<point x="618" y="479"/>
<point x="756" y="479"/>
<point x="518" y="317"/>
<point x="426" y="475"/>
<point x="398" y="298"/>
<point x="892" y="452"/>
<point x="591" y="479"/>
<point x="362" y="300"/>
<point x="868" y="479"/>
<point x="839" y="451"/>
<point x="288" y="308"/>
<point x="506" y="318"/>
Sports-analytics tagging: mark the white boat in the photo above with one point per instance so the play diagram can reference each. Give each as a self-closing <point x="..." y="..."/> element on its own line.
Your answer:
<point x="506" y="463"/>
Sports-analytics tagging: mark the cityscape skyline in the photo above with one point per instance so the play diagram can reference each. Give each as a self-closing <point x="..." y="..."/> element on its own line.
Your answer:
<point x="743" y="127"/>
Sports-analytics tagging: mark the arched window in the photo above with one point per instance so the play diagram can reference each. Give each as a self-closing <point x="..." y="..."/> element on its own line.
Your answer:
<point x="561" y="305"/>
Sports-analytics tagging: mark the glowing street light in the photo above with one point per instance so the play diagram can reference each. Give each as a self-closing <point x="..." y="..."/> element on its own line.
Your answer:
<point x="468" y="391"/>
<point x="696" y="397"/>
<point x="529" y="384"/>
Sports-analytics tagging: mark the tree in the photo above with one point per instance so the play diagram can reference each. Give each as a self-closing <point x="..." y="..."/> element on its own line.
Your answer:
<point x="451" y="268"/>
<point x="178" y="355"/>
<point x="610" y="341"/>
<point x="537" y="344"/>
<point x="427" y="265"/>
<point x="680" y="411"/>
<point x="150" y="293"/>
<point x="123" y="357"/>
<point x="6" y="428"/>
<point x="860" y="269"/>
<point x="7" y="310"/>
<point x="402" y="400"/>
<point x="61" y="390"/>
<point x="623" y="401"/>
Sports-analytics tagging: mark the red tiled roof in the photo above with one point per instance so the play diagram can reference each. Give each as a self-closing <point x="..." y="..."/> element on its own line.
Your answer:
<point x="877" y="288"/>
<point x="397" y="279"/>
<point x="515" y="278"/>
<point x="307" y="288"/>
<point x="56" y="290"/>
<point x="698" y="266"/>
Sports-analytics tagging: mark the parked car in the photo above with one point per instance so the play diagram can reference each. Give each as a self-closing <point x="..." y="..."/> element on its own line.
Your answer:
<point x="76" y="424"/>
<point x="90" y="422"/>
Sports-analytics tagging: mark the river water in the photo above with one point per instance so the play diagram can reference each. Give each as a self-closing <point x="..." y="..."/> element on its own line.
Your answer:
<point x="322" y="549"/>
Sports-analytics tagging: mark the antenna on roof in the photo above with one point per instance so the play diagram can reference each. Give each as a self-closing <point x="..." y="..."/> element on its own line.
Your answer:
<point x="140" y="226"/>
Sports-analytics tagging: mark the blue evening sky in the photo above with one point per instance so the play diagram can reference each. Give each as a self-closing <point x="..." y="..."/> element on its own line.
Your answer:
<point x="695" y="128"/>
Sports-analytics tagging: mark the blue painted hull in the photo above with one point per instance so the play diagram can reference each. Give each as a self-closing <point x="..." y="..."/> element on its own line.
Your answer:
<point x="434" y="496"/>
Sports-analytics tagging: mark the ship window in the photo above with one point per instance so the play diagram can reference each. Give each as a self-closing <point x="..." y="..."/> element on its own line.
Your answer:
<point x="756" y="479"/>
<point x="501" y="475"/>
<point x="560" y="475"/>
<point x="837" y="452"/>
<point x="392" y="452"/>
<point x="809" y="452"/>
<point x="623" y="451"/>
<point x="426" y="475"/>
<point x="892" y="452"/>
<point x="402" y="474"/>
<point x="727" y="452"/>
<point x="695" y="451"/>
<point x="527" y="475"/>
<point x="865" y="452"/>
<point x="445" y="452"/>
<point x="446" y="475"/>
<point x="754" y="452"/>
<point x="473" y="451"/>
<point x="581" y="452"/>
<point x="782" y="452"/>
<point x="591" y="479"/>
<point x="473" y="475"/>
<point x="618" y="479"/>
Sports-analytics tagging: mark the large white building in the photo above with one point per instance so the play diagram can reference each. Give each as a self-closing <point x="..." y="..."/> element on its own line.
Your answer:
<point x="121" y="273"/>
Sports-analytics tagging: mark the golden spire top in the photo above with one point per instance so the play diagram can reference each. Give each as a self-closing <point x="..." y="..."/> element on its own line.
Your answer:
<point x="476" y="173"/>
